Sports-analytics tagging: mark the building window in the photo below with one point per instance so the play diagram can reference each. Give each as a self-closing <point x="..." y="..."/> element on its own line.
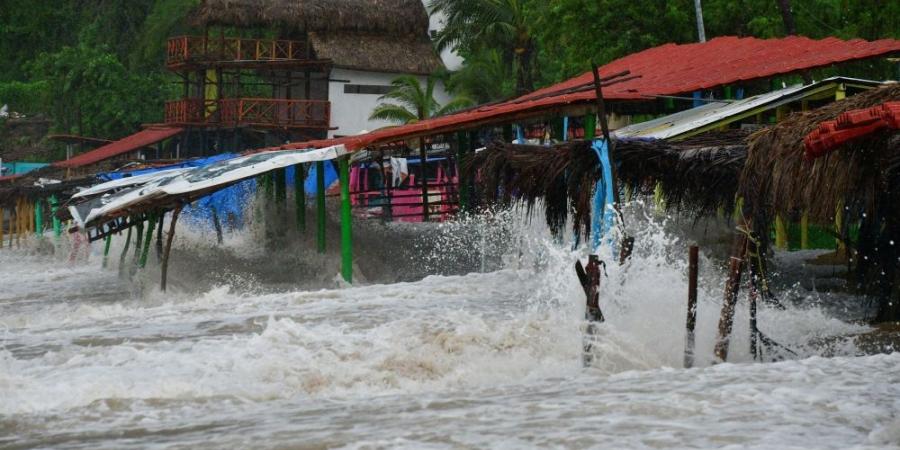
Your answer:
<point x="373" y="89"/>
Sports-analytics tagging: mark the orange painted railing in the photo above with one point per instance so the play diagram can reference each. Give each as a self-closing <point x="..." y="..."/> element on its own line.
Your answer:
<point x="261" y="112"/>
<point x="198" y="49"/>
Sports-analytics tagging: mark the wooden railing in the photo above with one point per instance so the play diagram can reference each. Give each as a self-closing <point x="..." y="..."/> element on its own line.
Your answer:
<point x="197" y="49"/>
<point x="259" y="112"/>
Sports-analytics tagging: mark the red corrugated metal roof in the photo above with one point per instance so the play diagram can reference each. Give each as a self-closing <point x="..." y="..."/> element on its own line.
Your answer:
<point x="665" y="70"/>
<point x="140" y="139"/>
<point x="851" y="125"/>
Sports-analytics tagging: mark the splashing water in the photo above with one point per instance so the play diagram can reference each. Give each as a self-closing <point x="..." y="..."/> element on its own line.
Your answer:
<point x="491" y="358"/>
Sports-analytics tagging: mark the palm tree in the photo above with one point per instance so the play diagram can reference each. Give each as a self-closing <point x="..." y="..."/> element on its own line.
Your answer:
<point x="475" y="24"/>
<point x="415" y="104"/>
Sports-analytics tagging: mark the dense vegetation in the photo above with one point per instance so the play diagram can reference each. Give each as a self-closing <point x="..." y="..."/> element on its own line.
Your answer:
<point x="95" y="67"/>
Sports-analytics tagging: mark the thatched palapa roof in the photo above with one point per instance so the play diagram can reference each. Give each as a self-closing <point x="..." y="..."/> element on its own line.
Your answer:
<point x="778" y="179"/>
<point x="374" y="35"/>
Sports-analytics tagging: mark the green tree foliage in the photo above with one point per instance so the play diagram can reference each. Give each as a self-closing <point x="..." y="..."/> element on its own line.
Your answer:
<point x="413" y="103"/>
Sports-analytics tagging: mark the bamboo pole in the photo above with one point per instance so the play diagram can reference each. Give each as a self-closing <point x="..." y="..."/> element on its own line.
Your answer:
<point x="732" y="286"/>
<point x="691" y="324"/>
<point x="168" y="250"/>
<point x="346" y="225"/>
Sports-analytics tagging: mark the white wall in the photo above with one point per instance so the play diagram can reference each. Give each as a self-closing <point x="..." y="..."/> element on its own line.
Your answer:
<point x="350" y="112"/>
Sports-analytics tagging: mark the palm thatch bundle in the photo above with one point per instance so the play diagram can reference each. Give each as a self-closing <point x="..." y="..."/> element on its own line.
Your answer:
<point x="778" y="179"/>
<point x="390" y="17"/>
<point x="696" y="176"/>
<point x="377" y="35"/>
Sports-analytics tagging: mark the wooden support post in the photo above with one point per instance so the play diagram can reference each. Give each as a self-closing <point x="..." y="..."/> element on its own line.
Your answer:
<point x="463" y="184"/>
<point x="168" y="250"/>
<point x="38" y="218"/>
<point x="781" y="236"/>
<point x="281" y="188"/>
<point x="804" y="231"/>
<point x="125" y="250"/>
<point x="146" y="250"/>
<point x="33" y="214"/>
<point x="159" y="233"/>
<point x="346" y="218"/>
<point x="300" y="196"/>
<point x="693" y="270"/>
<point x="138" y="239"/>
<point x="589" y="277"/>
<point x="732" y="286"/>
<point x="320" y="206"/>
<point x="423" y="175"/>
<point x="839" y="228"/>
<point x="590" y="126"/>
<point x="106" y="249"/>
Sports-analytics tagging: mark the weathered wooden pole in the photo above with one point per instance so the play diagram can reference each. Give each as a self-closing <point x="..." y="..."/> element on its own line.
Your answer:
<point x="300" y="196"/>
<point x="146" y="250"/>
<point x="693" y="270"/>
<point x="463" y="184"/>
<point x="138" y="240"/>
<point x="125" y="250"/>
<point x="106" y="245"/>
<point x="346" y="218"/>
<point x="165" y="261"/>
<point x="320" y="206"/>
<point x="423" y="174"/>
<point x="159" y="233"/>
<point x="38" y="210"/>
<point x="732" y="286"/>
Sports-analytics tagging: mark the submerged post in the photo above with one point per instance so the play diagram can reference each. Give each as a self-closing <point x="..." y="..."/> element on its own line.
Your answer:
<point x="320" y="206"/>
<point x="146" y="250"/>
<point x="125" y="250"/>
<point x="38" y="218"/>
<point x="57" y="224"/>
<point x="300" y="196"/>
<point x="106" y="249"/>
<point x="165" y="260"/>
<point x="346" y="225"/>
<point x="462" y="184"/>
<point x="732" y="286"/>
<point x="693" y="266"/>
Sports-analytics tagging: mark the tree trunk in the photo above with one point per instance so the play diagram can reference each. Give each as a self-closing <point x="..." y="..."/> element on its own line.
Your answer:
<point x="789" y="27"/>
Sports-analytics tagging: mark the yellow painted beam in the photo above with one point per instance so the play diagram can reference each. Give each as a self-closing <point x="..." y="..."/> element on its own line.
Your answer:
<point x="781" y="236"/>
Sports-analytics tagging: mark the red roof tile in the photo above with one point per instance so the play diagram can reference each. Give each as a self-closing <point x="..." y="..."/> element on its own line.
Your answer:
<point x="849" y="126"/>
<point x="140" y="139"/>
<point x="665" y="70"/>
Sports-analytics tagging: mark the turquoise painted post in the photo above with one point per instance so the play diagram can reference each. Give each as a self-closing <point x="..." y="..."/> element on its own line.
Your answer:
<point x="346" y="225"/>
<point x="39" y="218"/>
<point x="300" y="196"/>
<point x="57" y="224"/>
<point x="320" y="206"/>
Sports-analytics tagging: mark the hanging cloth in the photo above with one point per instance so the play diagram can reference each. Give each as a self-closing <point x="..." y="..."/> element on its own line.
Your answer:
<point x="603" y="218"/>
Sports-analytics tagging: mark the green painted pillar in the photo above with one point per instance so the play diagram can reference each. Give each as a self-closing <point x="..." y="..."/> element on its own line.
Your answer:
<point x="57" y="224"/>
<point x="39" y="218"/>
<point x="300" y="196"/>
<point x="106" y="249"/>
<point x="346" y="224"/>
<point x="146" y="250"/>
<point x="463" y="184"/>
<point x="507" y="133"/>
<point x="320" y="206"/>
<point x="281" y="187"/>
<point x="590" y="126"/>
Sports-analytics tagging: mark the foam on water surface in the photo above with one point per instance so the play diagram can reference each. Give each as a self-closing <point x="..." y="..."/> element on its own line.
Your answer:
<point x="478" y="360"/>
